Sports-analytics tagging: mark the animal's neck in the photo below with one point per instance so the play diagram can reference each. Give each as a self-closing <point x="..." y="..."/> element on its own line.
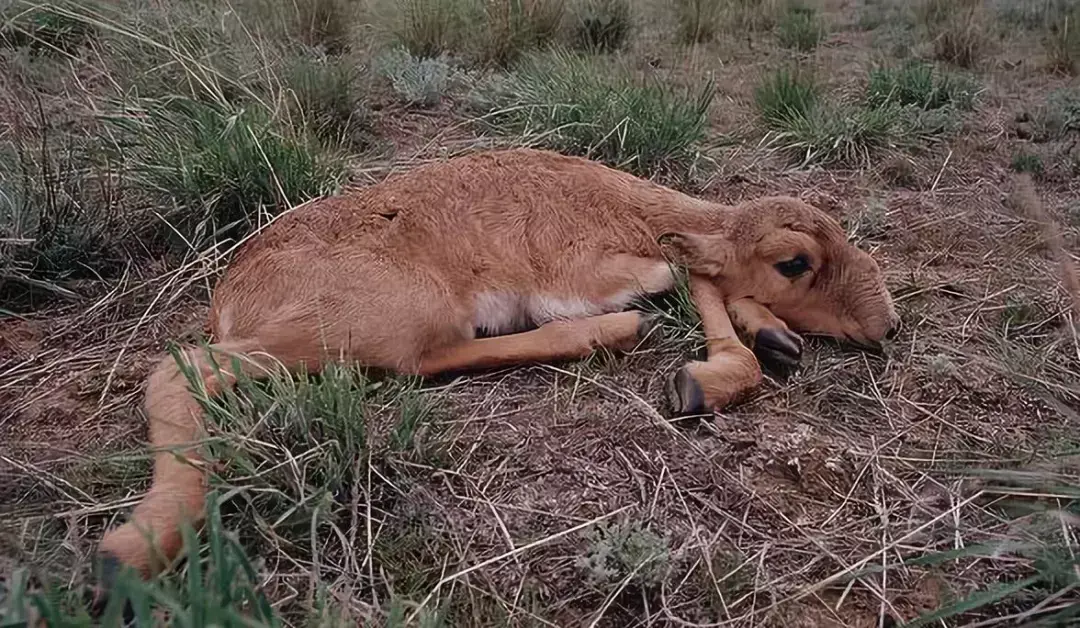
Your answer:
<point x="666" y="211"/>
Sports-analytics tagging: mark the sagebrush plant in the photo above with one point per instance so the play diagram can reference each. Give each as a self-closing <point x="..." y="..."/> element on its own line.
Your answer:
<point x="699" y="20"/>
<point x="577" y="104"/>
<point x="800" y="28"/>
<point x="603" y="25"/>
<point x="218" y="170"/>
<point x="421" y="81"/>
<point x="625" y="550"/>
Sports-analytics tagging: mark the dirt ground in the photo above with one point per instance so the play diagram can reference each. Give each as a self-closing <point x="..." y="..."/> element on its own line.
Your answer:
<point x="857" y="460"/>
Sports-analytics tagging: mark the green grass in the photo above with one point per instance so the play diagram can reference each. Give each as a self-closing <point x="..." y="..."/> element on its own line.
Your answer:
<point x="486" y="33"/>
<point x="785" y="96"/>
<point x="1044" y="557"/>
<point x="217" y="170"/>
<point x="324" y="98"/>
<point x="903" y="108"/>
<point x="42" y="31"/>
<point x="1033" y="14"/>
<point x="1029" y="163"/>
<point x="840" y="135"/>
<point x="58" y="214"/>
<point x="919" y="84"/>
<point x="800" y="28"/>
<point x="1058" y="116"/>
<point x="576" y="104"/>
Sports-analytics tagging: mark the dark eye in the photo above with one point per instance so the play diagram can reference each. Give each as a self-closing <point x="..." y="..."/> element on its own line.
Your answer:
<point x="793" y="267"/>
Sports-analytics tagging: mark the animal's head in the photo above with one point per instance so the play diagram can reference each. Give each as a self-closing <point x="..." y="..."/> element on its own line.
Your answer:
<point x="794" y="259"/>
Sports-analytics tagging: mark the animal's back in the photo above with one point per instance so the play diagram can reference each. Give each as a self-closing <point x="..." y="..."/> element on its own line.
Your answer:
<point x="514" y="218"/>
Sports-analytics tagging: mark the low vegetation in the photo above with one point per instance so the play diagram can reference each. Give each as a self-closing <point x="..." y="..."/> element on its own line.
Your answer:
<point x="800" y="28"/>
<point x="699" y="20"/>
<point x="904" y="107"/>
<point x="935" y="483"/>
<point x="602" y="25"/>
<point x="583" y="106"/>
<point x="957" y="29"/>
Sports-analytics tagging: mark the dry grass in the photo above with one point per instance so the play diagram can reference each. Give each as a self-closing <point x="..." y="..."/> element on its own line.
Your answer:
<point x="860" y="490"/>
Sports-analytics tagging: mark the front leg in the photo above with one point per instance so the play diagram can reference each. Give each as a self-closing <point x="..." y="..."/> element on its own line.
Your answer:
<point x="731" y="369"/>
<point x="775" y="346"/>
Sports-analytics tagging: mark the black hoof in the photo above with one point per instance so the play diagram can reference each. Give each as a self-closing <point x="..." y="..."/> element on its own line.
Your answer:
<point x="778" y="349"/>
<point x="685" y="395"/>
<point x="649" y="328"/>
<point x="108" y="571"/>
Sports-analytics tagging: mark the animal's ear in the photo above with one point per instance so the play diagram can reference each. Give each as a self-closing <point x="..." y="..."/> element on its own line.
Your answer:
<point x="710" y="255"/>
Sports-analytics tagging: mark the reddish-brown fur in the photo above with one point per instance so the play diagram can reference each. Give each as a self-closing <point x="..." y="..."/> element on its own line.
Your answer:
<point x="542" y="252"/>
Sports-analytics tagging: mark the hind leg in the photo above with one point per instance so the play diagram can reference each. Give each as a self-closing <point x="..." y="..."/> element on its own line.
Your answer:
<point x="151" y="538"/>
<point x="554" y="341"/>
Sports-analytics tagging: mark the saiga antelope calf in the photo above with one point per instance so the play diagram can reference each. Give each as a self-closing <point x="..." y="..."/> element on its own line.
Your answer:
<point x="541" y="253"/>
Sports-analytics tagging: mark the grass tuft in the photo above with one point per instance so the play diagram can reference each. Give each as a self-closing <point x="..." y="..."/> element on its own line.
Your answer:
<point x="1059" y="116"/>
<point x="218" y="170"/>
<point x="1062" y="42"/>
<point x="430" y="28"/>
<point x="916" y="83"/>
<point x="512" y="27"/>
<point x="603" y="25"/>
<point x="576" y="104"/>
<point x="956" y="28"/>
<point x="59" y="218"/>
<point x="324" y="99"/>
<point x="42" y="30"/>
<point x="699" y="20"/>
<point x="800" y="28"/>
<point x="1028" y="162"/>
<point x="786" y="95"/>
<point x="839" y="135"/>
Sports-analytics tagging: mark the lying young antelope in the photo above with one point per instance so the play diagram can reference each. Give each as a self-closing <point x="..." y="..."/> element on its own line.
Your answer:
<point x="501" y="258"/>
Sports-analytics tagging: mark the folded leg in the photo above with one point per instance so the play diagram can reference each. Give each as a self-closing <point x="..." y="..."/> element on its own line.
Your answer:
<point x="730" y="370"/>
<point x="772" y="342"/>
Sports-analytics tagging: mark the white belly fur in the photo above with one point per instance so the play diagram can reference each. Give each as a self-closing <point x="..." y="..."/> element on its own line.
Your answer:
<point x="497" y="313"/>
<point x="504" y="312"/>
